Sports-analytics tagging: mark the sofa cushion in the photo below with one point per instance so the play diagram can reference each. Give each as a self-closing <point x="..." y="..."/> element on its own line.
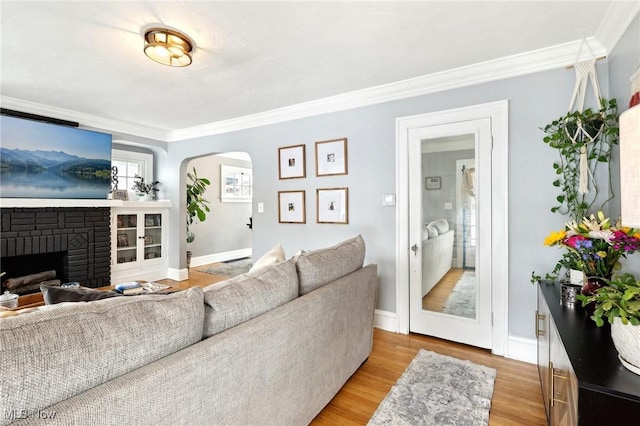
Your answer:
<point x="246" y="296"/>
<point x="273" y="256"/>
<point x="441" y="225"/>
<point x="56" y="294"/>
<point x="432" y="231"/>
<point x="52" y="354"/>
<point x="319" y="267"/>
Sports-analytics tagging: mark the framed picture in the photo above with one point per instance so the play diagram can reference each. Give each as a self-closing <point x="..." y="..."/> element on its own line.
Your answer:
<point x="236" y="184"/>
<point x="148" y="239"/>
<point x="332" y="205"/>
<point x="133" y="220"/>
<point x="120" y="194"/>
<point x="291" y="207"/>
<point x="292" y="162"/>
<point x="123" y="240"/>
<point x="432" y="182"/>
<point x="148" y="221"/>
<point x="331" y="157"/>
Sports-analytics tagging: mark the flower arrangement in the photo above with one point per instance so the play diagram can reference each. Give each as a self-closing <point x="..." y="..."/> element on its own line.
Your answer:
<point x="595" y="246"/>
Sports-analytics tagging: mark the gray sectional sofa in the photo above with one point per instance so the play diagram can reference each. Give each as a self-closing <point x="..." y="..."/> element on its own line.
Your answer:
<point x="268" y="347"/>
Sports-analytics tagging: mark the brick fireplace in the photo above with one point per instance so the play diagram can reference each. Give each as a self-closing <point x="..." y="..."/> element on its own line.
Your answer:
<point x="78" y="237"/>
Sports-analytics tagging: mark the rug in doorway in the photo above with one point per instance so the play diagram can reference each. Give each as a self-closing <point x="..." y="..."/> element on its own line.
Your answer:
<point x="231" y="268"/>
<point x="438" y="390"/>
<point x="462" y="300"/>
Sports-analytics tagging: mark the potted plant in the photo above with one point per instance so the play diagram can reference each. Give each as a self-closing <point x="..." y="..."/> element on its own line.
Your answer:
<point x="197" y="205"/>
<point x="144" y="191"/>
<point x="619" y="303"/>
<point x="584" y="140"/>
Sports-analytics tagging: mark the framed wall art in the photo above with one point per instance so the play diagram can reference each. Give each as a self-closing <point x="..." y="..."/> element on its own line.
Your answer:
<point x="292" y="162"/>
<point x="332" y="205"/>
<point x="331" y="157"/>
<point x="236" y="184"/>
<point x="432" y="182"/>
<point x="291" y="207"/>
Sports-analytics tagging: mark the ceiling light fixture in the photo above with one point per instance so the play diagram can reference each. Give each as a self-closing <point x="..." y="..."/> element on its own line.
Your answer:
<point x="168" y="47"/>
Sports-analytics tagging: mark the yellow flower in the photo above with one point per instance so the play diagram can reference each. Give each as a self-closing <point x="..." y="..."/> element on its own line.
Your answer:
<point x="601" y="254"/>
<point x="554" y="237"/>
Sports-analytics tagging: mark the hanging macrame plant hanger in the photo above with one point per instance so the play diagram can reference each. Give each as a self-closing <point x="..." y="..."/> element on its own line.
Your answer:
<point x="584" y="133"/>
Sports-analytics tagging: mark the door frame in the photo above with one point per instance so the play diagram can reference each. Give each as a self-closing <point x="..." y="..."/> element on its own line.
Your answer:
<point x="498" y="113"/>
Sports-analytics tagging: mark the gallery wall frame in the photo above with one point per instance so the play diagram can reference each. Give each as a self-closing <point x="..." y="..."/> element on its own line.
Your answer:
<point x="432" y="182"/>
<point x="291" y="207"/>
<point x="332" y="205"/>
<point x="292" y="162"/>
<point x="331" y="157"/>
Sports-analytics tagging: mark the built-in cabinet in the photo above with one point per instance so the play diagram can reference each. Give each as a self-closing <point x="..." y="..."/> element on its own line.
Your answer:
<point x="139" y="242"/>
<point x="582" y="380"/>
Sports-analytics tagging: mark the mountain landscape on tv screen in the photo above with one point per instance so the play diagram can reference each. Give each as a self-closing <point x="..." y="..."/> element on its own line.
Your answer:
<point x="52" y="174"/>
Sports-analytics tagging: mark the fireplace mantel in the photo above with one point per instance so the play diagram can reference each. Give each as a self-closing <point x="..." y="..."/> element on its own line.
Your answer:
<point x="66" y="202"/>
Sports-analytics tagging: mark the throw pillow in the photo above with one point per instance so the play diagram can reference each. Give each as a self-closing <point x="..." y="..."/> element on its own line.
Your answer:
<point x="53" y="294"/>
<point x="273" y="256"/>
<point x="248" y="295"/>
<point x="319" y="267"/>
<point x="432" y="231"/>
<point x="441" y="225"/>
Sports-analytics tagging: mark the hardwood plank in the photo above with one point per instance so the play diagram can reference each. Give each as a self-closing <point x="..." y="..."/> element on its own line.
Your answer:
<point x="517" y="399"/>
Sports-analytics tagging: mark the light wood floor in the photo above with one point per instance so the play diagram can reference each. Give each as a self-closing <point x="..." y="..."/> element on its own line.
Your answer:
<point x="434" y="300"/>
<point x="517" y="398"/>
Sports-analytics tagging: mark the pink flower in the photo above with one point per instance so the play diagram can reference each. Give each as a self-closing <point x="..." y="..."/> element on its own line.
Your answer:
<point x="574" y="241"/>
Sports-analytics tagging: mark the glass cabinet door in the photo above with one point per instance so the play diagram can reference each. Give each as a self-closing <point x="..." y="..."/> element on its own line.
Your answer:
<point x="127" y="239"/>
<point x="152" y="235"/>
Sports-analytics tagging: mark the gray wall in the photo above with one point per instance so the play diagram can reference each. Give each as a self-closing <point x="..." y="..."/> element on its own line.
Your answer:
<point x="225" y="227"/>
<point x="534" y="100"/>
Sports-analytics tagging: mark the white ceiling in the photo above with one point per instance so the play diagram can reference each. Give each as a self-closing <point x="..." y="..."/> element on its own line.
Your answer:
<point x="253" y="57"/>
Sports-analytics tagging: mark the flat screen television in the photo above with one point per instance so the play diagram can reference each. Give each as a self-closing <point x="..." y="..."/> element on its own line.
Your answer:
<point x="42" y="160"/>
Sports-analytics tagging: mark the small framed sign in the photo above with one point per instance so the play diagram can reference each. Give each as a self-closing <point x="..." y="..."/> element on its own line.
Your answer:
<point x="432" y="182"/>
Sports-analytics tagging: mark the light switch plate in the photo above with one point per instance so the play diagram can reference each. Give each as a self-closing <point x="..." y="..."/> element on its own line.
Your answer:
<point x="448" y="206"/>
<point x="260" y="207"/>
<point x="389" y="200"/>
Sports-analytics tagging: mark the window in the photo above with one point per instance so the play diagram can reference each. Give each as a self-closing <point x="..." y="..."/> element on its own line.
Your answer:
<point x="236" y="184"/>
<point x="129" y="164"/>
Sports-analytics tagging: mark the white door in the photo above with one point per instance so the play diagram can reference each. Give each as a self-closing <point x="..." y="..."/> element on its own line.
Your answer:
<point x="434" y="193"/>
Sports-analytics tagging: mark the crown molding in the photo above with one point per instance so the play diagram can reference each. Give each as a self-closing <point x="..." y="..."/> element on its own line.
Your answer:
<point x="507" y="67"/>
<point x="85" y="120"/>
<point x="615" y="22"/>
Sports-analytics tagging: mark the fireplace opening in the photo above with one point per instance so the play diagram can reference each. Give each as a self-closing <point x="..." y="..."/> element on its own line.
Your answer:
<point x="25" y="274"/>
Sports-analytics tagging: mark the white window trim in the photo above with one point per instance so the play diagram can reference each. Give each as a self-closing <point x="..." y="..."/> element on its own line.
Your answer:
<point x="132" y="156"/>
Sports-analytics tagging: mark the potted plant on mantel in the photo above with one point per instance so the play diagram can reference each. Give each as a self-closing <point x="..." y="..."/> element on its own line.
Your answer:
<point x="145" y="191"/>
<point x="619" y="303"/>
<point x="197" y="207"/>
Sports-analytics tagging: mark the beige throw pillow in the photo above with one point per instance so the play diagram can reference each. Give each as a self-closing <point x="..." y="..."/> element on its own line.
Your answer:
<point x="273" y="256"/>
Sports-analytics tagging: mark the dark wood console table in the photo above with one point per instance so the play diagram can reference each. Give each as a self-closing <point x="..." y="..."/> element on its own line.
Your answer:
<point x="583" y="382"/>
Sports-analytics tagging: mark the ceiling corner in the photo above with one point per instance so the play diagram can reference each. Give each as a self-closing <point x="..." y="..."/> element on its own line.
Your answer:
<point x="615" y="22"/>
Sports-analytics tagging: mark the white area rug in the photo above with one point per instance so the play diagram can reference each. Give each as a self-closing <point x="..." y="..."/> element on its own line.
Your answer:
<point x="462" y="300"/>
<point x="438" y="390"/>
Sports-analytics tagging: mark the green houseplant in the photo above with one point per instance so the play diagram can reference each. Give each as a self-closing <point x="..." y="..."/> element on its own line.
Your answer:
<point x="144" y="190"/>
<point x="589" y="132"/>
<point x="619" y="303"/>
<point x="620" y="299"/>
<point x="197" y="205"/>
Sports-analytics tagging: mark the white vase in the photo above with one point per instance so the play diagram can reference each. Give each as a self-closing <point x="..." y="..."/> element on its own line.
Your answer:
<point x="626" y="339"/>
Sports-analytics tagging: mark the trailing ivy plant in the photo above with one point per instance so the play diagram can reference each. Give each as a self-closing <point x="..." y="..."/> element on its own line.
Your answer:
<point x="602" y="126"/>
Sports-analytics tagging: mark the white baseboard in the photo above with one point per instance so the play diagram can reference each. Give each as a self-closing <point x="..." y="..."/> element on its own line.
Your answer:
<point x="522" y="349"/>
<point x="518" y="348"/>
<point x="220" y="257"/>
<point x="385" y="320"/>
<point x="178" y="274"/>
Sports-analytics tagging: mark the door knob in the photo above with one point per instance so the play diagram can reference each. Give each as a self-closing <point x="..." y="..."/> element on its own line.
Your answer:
<point x="414" y="249"/>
